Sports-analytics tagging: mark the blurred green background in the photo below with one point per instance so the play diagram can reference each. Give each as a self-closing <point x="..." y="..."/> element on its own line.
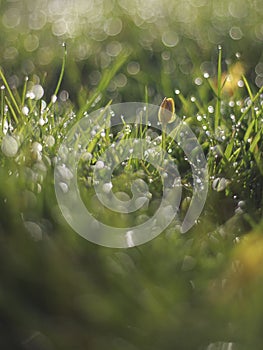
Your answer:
<point x="188" y="292"/>
<point x="173" y="41"/>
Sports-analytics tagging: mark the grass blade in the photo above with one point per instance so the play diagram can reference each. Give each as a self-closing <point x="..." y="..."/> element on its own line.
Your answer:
<point x="2" y="76"/>
<point x="60" y="76"/>
<point x="219" y="87"/>
<point x="255" y="141"/>
<point x="104" y="82"/>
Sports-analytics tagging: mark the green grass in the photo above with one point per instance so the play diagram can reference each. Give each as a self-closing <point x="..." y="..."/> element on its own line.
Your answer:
<point x="59" y="291"/>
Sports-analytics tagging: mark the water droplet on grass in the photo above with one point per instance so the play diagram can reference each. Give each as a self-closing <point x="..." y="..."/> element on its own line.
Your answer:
<point x="240" y="83"/>
<point x="99" y="164"/>
<point x="220" y="184"/>
<point x="38" y="91"/>
<point x="37" y="147"/>
<point x="107" y="187"/>
<point x="41" y="121"/>
<point x="64" y="172"/>
<point x="49" y="141"/>
<point x="9" y="146"/>
<point x="198" y="81"/>
<point x="34" y="230"/>
<point x="64" y="187"/>
<point x="25" y="110"/>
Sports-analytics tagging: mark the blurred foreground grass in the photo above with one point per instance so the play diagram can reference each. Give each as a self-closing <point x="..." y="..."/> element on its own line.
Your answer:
<point x="201" y="290"/>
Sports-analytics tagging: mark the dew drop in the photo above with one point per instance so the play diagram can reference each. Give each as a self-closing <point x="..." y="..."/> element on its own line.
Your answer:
<point x="99" y="164"/>
<point x="53" y="98"/>
<point x="9" y="146"/>
<point x="25" y="110"/>
<point x="34" y="230"/>
<point x="210" y="109"/>
<point x="107" y="187"/>
<point x="198" y="81"/>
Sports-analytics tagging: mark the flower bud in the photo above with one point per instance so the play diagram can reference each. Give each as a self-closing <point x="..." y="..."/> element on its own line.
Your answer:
<point x="166" y="112"/>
